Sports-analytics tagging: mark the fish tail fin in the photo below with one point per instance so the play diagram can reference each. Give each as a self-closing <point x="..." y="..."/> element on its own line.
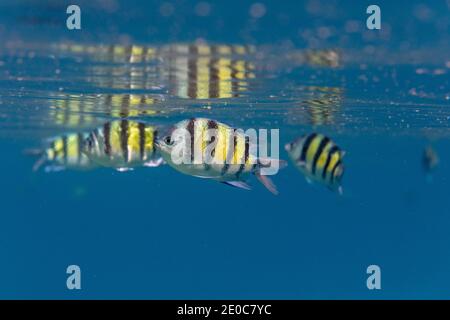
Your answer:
<point x="39" y="162"/>
<point x="39" y="153"/>
<point x="268" y="162"/>
<point x="267" y="182"/>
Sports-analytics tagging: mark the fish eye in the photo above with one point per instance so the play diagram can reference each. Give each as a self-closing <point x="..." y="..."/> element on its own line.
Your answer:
<point x="168" y="140"/>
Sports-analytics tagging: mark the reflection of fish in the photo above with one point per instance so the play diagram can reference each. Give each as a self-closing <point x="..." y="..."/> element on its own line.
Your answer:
<point x="226" y="154"/>
<point x="320" y="107"/>
<point x="112" y="53"/>
<point x="323" y="58"/>
<point x="123" y="144"/>
<point x="319" y="159"/>
<point x="430" y="160"/>
<point x="64" y="152"/>
<point x="195" y="71"/>
<point x="205" y="72"/>
<point x="77" y="111"/>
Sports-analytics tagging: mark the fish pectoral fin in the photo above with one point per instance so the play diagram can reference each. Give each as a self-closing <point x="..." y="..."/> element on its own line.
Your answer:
<point x="267" y="182"/>
<point x="309" y="180"/>
<point x="237" y="184"/>
<point x="204" y="177"/>
<point x="340" y="190"/>
<point x="154" y="163"/>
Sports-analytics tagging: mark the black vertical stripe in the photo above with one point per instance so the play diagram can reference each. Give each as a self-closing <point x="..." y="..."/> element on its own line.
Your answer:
<point x="192" y="71"/>
<point x="128" y="50"/>
<point x="234" y="82"/>
<point x="247" y="149"/>
<point x="80" y="144"/>
<point x="331" y="152"/>
<point x="124" y="139"/>
<point x="192" y="78"/>
<point x="193" y="49"/>
<point x="107" y="135"/>
<point x="238" y="173"/>
<point x="213" y="49"/>
<point x="213" y="79"/>
<point x="306" y="145"/>
<point x="125" y="106"/>
<point x="155" y="138"/>
<point x="319" y="151"/>
<point x="52" y="147"/>
<point x="230" y="153"/>
<point x="333" y="172"/>
<point x="141" y="127"/>
<point x="246" y="155"/>
<point x="190" y="129"/>
<point x="64" y="139"/>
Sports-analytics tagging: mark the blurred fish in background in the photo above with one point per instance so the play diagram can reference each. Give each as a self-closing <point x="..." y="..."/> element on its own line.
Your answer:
<point x="430" y="161"/>
<point x="123" y="145"/>
<point x="63" y="152"/>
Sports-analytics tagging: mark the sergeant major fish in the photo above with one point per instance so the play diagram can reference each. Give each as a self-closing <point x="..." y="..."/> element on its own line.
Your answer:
<point x="63" y="152"/>
<point x="123" y="144"/>
<point x="319" y="159"/>
<point x="231" y="157"/>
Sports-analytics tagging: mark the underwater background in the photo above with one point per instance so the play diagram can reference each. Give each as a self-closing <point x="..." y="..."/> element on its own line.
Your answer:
<point x="298" y="66"/>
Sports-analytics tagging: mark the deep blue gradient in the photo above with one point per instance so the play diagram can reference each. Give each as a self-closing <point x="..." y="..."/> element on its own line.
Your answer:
<point x="155" y="233"/>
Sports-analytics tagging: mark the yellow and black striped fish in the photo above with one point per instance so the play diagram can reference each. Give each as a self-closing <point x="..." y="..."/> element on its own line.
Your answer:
<point x="319" y="159"/>
<point x="215" y="150"/>
<point x="123" y="144"/>
<point x="64" y="152"/>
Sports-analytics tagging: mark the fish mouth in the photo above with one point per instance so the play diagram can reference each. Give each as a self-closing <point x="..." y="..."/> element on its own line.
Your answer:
<point x="288" y="147"/>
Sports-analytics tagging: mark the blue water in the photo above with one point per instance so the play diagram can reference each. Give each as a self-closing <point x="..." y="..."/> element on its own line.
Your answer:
<point x="156" y="233"/>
